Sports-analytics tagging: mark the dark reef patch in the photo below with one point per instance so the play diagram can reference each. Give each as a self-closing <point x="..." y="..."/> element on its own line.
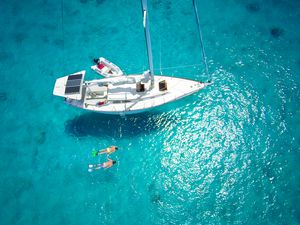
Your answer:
<point x="253" y="7"/>
<point x="3" y="96"/>
<point x="34" y="158"/>
<point x="59" y="43"/>
<point x="155" y="4"/>
<point x="168" y="5"/>
<point x="5" y="56"/>
<point x="244" y="49"/>
<point x="75" y="12"/>
<point x="19" y="37"/>
<point x="155" y="198"/>
<point x="21" y="186"/>
<point x="51" y="74"/>
<point x="41" y="137"/>
<point x="49" y="27"/>
<point x="99" y="2"/>
<point x="16" y="7"/>
<point x="186" y="12"/>
<point x="276" y="32"/>
<point x="45" y="39"/>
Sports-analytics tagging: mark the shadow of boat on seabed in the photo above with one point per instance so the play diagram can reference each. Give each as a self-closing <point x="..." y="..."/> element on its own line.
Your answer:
<point x="101" y="125"/>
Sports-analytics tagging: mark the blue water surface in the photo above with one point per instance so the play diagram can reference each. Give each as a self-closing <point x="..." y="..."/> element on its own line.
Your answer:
<point x="228" y="154"/>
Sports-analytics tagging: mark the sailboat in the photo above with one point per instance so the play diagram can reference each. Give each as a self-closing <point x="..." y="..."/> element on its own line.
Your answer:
<point x="128" y="94"/>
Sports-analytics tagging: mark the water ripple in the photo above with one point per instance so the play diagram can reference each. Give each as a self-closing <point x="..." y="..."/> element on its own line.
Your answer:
<point x="214" y="152"/>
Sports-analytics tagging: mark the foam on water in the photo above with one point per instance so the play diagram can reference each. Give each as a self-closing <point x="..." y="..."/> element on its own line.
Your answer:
<point x="226" y="155"/>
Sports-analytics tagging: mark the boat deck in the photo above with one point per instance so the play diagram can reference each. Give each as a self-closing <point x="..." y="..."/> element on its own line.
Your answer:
<point x="123" y="97"/>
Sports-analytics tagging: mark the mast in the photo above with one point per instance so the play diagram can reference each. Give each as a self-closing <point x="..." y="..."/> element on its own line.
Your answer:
<point x="148" y="40"/>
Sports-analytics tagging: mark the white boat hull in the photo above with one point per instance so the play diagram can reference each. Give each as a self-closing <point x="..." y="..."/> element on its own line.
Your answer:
<point x="132" y="102"/>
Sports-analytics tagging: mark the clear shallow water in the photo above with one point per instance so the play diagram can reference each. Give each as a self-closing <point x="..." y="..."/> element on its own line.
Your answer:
<point x="226" y="155"/>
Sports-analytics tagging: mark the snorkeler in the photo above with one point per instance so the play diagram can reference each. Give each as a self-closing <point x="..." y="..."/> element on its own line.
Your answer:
<point x="109" y="150"/>
<point x="105" y="165"/>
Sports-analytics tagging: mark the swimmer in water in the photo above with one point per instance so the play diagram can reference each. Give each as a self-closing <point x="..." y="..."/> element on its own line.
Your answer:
<point x="105" y="165"/>
<point x="109" y="150"/>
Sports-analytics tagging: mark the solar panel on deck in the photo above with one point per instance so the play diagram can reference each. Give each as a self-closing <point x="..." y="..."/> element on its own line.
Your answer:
<point x="72" y="90"/>
<point x="75" y="77"/>
<point x="72" y="83"/>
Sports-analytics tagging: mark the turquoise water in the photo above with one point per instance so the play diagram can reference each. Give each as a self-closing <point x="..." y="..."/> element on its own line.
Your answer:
<point x="226" y="155"/>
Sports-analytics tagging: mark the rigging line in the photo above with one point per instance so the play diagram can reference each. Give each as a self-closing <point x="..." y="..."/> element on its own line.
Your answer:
<point x="160" y="55"/>
<point x="161" y="25"/>
<point x="176" y="67"/>
<point x="63" y="32"/>
<point x="201" y="41"/>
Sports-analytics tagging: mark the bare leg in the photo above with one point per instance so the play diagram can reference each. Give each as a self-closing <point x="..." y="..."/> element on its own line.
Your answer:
<point x="99" y="166"/>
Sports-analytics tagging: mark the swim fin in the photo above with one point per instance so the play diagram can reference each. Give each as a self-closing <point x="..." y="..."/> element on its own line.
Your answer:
<point x="94" y="153"/>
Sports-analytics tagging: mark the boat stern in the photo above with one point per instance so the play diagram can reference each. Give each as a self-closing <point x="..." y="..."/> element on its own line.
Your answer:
<point x="70" y="86"/>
